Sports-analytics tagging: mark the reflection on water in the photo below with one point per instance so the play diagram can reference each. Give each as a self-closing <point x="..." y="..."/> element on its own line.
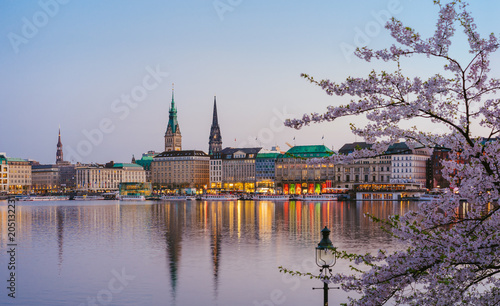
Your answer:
<point x="181" y="253"/>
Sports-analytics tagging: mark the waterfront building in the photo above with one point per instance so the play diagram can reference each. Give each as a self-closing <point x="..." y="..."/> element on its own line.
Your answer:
<point x="215" y="173"/>
<point x="107" y="178"/>
<point x="294" y="175"/>
<point x="4" y="174"/>
<point x="238" y="169"/>
<point x="67" y="176"/>
<point x="19" y="175"/>
<point x="45" y="178"/>
<point x="145" y="162"/>
<point x="135" y="189"/>
<point x="173" y="138"/>
<point x="373" y="170"/>
<point x="409" y="165"/>
<point x="215" y="138"/>
<point x="184" y="170"/>
<point x="265" y="164"/>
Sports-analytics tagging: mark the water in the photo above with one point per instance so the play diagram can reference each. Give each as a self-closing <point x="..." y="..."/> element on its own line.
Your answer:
<point x="181" y="253"/>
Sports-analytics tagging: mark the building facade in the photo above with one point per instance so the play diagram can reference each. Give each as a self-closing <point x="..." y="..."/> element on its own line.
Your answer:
<point x="106" y="178"/>
<point x="409" y="165"/>
<point x="4" y="174"/>
<point x="216" y="171"/>
<point x="238" y="169"/>
<point x="265" y="168"/>
<point x="180" y="170"/>
<point x="44" y="179"/>
<point x="373" y="170"/>
<point x="173" y="137"/>
<point x="19" y="175"/>
<point x="295" y="175"/>
<point x="215" y="138"/>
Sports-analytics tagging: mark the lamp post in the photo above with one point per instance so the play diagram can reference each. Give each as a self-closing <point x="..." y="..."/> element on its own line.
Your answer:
<point x="325" y="259"/>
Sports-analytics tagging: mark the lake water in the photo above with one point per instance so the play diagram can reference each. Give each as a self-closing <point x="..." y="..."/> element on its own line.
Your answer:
<point x="181" y="253"/>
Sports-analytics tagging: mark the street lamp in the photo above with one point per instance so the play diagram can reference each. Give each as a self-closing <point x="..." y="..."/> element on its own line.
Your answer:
<point x="325" y="259"/>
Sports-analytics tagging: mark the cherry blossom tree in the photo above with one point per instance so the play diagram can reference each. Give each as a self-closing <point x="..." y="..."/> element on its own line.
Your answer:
<point x="451" y="253"/>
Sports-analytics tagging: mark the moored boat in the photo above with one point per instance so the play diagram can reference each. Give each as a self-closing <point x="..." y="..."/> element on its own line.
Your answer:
<point x="177" y="198"/>
<point x="318" y="197"/>
<point x="270" y="197"/>
<point x="132" y="198"/>
<point x="88" y="198"/>
<point x="219" y="197"/>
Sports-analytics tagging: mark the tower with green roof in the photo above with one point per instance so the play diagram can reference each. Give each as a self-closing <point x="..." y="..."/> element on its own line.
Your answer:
<point x="173" y="138"/>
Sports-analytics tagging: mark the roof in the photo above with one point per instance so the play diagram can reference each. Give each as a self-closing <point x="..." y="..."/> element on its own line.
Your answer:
<point x="313" y="151"/>
<point x="126" y="165"/>
<point x="15" y="159"/>
<point x="351" y="147"/>
<point x="34" y="167"/>
<point x="251" y="153"/>
<point x="181" y="153"/>
<point x="267" y="155"/>
<point x="398" y="147"/>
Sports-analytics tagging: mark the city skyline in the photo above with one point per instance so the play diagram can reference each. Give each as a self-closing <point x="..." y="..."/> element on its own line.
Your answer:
<point x="109" y="67"/>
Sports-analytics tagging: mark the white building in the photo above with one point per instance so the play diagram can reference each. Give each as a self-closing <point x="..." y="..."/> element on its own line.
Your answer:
<point x="215" y="171"/>
<point x="409" y="165"/>
<point x="105" y="178"/>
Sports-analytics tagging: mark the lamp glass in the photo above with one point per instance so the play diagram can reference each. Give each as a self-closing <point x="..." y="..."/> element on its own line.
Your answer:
<point x="325" y="257"/>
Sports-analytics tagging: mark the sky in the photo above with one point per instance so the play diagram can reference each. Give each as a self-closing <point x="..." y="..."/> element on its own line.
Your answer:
<point x="103" y="70"/>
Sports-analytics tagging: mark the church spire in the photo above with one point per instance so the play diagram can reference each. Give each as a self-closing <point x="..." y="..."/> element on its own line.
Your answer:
<point x="215" y="138"/>
<point x="173" y="133"/>
<point x="59" y="152"/>
<point x="215" y="121"/>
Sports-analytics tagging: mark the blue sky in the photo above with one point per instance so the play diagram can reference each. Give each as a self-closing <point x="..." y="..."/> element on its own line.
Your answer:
<point x="71" y="64"/>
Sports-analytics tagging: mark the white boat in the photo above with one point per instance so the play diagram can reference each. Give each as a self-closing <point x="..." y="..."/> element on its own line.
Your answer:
<point x="318" y="197"/>
<point x="88" y="198"/>
<point x="219" y="197"/>
<point x="271" y="197"/>
<point x="132" y="198"/>
<point x="177" y="198"/>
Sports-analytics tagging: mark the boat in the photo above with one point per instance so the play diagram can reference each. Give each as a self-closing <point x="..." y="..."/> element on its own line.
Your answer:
<point x="177" y="198"/>
<point x="219" y="197"/>
<point x="88" y="198"/>
<point x="132" y="197"/>
<point x="41" y="198"/>
<point x="271" y="197"/>
<point x="318" y="197"/>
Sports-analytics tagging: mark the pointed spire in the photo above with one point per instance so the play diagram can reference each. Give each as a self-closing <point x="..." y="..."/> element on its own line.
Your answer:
<point x="59" y="152"/>
<point x="215" y="120"/>
<point x="172" y="105"/>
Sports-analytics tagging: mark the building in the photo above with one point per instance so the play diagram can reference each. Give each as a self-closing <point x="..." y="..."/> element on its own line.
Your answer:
<point x="215" y="138"/>
<point x="215" y="174"/>
<point x="173" y="138"/>
<point x="106" y="178"/>
<point x="19" y="175"/>
<point x="45" y="179"/>
<point x="182" y="170"/>
<point x="4" y="174"/>
<point x="373" y="170"/>
<point x="295" y="175"/>
<point x="409" y="165"/>
<point x="238" y="169"/>
<point x="67" y="176"/>
<point x="145" y="162"/>
<point x="265" y="164"/>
